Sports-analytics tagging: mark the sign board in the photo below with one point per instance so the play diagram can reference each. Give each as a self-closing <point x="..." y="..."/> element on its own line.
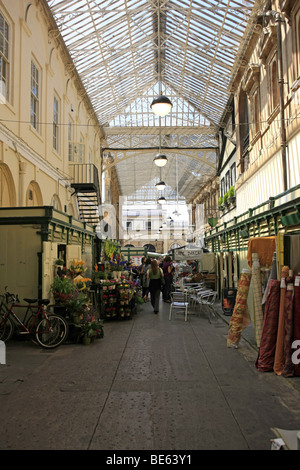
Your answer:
<point x="188" y="254"/>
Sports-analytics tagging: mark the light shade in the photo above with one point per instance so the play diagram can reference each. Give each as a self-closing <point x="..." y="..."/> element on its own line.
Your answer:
<point x="161" y="105"/>
<point x="161" y="185"/>
<point x="160" y="160"/>
<point x="162" y="200"/>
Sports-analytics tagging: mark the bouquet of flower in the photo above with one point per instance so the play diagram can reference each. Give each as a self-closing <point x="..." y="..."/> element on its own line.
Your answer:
<point x="117" y="264"/>
<point x="76" y="268"/>
<point x="90" y="325"/>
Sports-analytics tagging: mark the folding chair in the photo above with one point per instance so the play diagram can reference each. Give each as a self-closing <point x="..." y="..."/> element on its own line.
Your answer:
<point x="179" y="303"/>
<point x="208" y="299"/>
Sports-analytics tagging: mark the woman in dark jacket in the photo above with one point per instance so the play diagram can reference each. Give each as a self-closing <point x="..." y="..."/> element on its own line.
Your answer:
<point x="155" y="275"/>
<point x="168" y="271"/>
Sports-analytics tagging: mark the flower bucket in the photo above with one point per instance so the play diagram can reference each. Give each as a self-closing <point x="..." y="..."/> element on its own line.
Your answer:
<point x="86" y="340"/>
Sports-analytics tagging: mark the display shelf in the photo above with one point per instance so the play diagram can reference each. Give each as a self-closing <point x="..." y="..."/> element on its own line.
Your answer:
<point x="117" y="300"/>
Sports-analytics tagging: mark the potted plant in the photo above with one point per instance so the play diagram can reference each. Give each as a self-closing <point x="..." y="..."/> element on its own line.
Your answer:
<point x="91" y="326"/>
<point x="231" y="194"/>
<point x="99" y="274"/>
<point x="76" y="306"/>
<point x="62" y="289"/>
<point x="221" y="206"/>
<point x="225" y="199"/>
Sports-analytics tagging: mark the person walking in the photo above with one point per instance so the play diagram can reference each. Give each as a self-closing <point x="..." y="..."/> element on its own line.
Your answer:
<point x="155" y="276"/>
<point x="144" y="279"/>
<point x="168" y="270"/>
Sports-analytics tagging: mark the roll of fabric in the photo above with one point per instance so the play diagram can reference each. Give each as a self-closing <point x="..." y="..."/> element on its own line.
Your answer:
<point x="279" y="356"/>
<point x="273" y="275"/>
<point x="265" y="360"/>
<point x="257" y="297"/>
<point x="296" y="333"/>
<point x="240" y="318"/>
<point x="288" y="368"/>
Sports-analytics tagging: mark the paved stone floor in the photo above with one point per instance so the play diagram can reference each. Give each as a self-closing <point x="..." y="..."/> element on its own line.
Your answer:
<point x="149" y="384"/>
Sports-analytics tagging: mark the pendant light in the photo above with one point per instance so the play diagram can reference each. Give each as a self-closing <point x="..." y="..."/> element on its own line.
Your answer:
<point x="162" y="200"/>
<point x="160" y="160"/>
<point x="161" y="105"/>
<point x="161" y="185"/>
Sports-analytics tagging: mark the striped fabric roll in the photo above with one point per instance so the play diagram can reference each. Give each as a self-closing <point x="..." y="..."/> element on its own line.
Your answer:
<point x="240" y="317"/>
<point x="257" y="298"/>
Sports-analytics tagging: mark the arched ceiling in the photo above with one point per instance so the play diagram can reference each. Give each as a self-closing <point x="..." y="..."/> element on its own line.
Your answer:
<point x="121" y="49"/>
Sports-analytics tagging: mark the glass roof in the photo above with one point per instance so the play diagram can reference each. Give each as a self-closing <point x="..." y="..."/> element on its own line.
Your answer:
<point x="125" y="51"/>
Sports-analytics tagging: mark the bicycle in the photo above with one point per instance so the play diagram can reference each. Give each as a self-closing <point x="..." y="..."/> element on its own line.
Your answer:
<point x="47" y="329"/>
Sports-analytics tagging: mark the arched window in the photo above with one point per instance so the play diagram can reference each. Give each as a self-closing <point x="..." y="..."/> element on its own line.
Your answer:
<point x="7" y="187"/>
<point x="55" y="202"/>
<point x="34" y="195"/>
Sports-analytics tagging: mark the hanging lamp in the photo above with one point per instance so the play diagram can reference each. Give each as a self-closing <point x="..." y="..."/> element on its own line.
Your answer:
<point x="161" y="185"/>
<point x="161" y="105"/>
<point x="162" y="200"/>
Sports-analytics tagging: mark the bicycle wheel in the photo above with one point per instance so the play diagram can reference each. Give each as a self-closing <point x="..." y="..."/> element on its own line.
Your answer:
<point x="51" y="331"/>
<point x="6" y="328"/>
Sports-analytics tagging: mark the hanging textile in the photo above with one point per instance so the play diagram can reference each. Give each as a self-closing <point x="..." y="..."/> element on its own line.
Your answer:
<point x="288" y="369"/>
<point x="265" y="246"/>
<point x="240" y="317"/>
<point x="266" y="353"/>
<point x="257" y="297"/>
<point x="296" y="332"/>
<point x="279" y="356"/>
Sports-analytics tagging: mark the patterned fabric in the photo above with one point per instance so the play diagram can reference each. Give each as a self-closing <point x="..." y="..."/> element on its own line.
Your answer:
<point x="288" y="370"/>
<point x="296" y="333"/>
<point x="279" y="356"/>
<point x="266" y="353"/>
<point x="257" y="298"/>
<point x="240" y="317"/>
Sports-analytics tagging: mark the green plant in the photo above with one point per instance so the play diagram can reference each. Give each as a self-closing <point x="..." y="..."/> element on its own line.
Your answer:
<point x="77" y="303"/>
<point x="225" y="198"/>
<point x="62" y="284"/>
<point x="91" y="326"/>
<point x="220" y="201"/>
<point x="59" y="262"/>
<point x="231" y="191"/>
<point x="62" y="288"/>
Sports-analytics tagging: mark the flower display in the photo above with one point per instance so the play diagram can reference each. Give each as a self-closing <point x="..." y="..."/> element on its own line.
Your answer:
<point x="117" y="264"/>
<point x="76" y="268"/>
<point x="62" y="288"/>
